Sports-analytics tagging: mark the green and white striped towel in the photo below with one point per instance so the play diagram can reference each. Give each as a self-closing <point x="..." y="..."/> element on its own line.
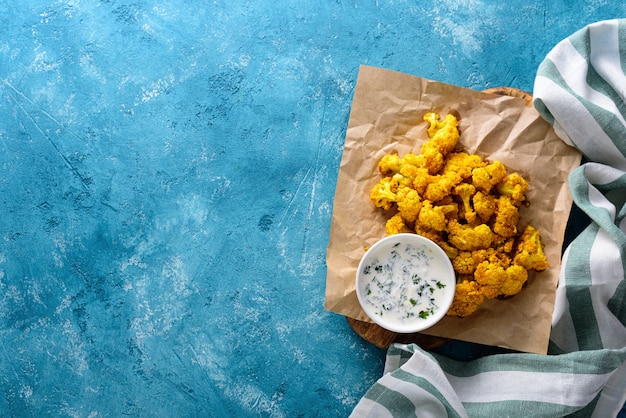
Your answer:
<point x="580" y="88"/>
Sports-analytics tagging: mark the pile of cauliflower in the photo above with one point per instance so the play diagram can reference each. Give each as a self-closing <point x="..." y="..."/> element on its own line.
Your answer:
<point x="469" y="206"/>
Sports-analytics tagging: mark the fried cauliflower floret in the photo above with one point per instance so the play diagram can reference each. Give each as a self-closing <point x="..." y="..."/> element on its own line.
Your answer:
<point x="467" y="238"/>
<point x="514" y="186"/>
<point x="426" y="232"/>
<point x="450" y="251"/>
<point x="440" y="186"/>
<point x="484" y="178"/>
<point x="396" y="225"/>
<point x="463" y="164"/>
<point x="383" y="194"/>
<point x="389" y="163"/>
<point x="485" y="205"/>
<point x="434" y="216"/>
<point x="409" y="204"/>
<point x="502" y="244"/>
<point x="467" y="299"/>
<point x="497" y="278"/>
<point x="507" y="217"/>
<point x="393" y="165"/>
<point x="402" y="180"/>
<point x="490" y="276"/>
<point x="444" y="135"/>
<point x="529" y="253"/>
<point x="465" y="262"/>
<point x="421" y="180"/>
<point x="516" y="276"/>
<point x="431" y="159"/>
<point x="465" y="192"/>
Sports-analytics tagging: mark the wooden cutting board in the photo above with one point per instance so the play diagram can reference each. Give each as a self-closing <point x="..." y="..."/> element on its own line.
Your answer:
<point x="383" y="338"/>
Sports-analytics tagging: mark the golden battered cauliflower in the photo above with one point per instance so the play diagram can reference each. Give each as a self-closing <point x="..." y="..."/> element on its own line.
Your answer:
<point x="465" y="192"/>
<point x="485" y="205"/>
<point x="383" y="194"/>
<point x="463" y="164"/>
<point x="390" y="163"/>
<point x="421" y="180"/>
<point x="467" y="238"/>
<point x="499" y="279"/>
<point x="516" y="276"/>
<point x="434" y="216"/>
<point x="490" y="276"/>
<point x="465" y="262"/>
<point x="467" y="299"/>
<point x="507" y="217"/>
<point x="444" y="135"/>
<point x="514" y="186"/>
<point x="440" y="186"/>
<point x="484" y="178"/>
<point x="396" y="225"/>
<point x="409" y="204"/>
<point x="426" y="232"/>
<point x="529" y="253"/>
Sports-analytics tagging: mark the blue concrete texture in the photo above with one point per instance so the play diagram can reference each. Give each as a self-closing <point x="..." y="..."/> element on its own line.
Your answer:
<point x="168" y="172"/>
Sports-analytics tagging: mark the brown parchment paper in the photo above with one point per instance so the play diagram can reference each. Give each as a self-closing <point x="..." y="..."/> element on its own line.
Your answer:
<point x="386" y="116"/>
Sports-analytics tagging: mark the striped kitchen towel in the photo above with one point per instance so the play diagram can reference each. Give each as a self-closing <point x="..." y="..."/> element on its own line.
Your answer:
<point x="580" y="88"/>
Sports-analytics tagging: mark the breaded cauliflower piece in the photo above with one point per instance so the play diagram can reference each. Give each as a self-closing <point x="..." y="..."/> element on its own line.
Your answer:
<point x="410" y="171"/>
<point x="431" y="160"/>
<point x="444" y="135"/>
<point x="484" y="178"/>
<point x="485" y="205"/>
<point x="450" y="251"/>
<point x="463" y="164"/>
<point x="467" y="238"/>
<point x="499" y="279"/>
<point x="389" y="163"/>
<point x="467" y="261"/>
<point x="502" y="244"/>
<point x="393" y="165"/>
<point x="396" y="225"/>
<point x="514" y="186"/>
<point x="383" y="194"/>
<point x="467" y="299"/>
<point x="410" y="158"/>
<point x="507" y="217"/>
<point x="427" y="232"/>
<point x="490" y="276"/>
<point x="434" y="216"/>
<point x="421" y="180"/>
<point x="465" y="192"/>
<point x="440" y="186"/>
<point x="529" y="252"/>
<point x="464" y="263"/>
<point x="409" y="204"/>
<point x="516" y="276"/>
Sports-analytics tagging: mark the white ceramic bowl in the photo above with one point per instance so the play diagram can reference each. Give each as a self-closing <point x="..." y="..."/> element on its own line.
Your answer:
<point x="405" y="283"/>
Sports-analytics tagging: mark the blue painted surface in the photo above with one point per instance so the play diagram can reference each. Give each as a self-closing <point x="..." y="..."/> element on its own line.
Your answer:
<point x="168" y="171"/>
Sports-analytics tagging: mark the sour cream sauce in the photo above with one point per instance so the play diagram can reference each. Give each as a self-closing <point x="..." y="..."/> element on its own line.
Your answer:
<point x="404" y="282"/>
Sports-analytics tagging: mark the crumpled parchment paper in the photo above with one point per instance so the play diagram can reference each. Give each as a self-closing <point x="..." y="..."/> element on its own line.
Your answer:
<point x="386" y="116"/>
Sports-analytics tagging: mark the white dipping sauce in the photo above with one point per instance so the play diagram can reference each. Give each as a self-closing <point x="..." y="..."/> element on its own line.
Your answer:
<point x="405" y="282"/>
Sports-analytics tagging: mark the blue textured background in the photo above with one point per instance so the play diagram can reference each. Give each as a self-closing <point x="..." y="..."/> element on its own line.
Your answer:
<point x="168" y="171"/>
